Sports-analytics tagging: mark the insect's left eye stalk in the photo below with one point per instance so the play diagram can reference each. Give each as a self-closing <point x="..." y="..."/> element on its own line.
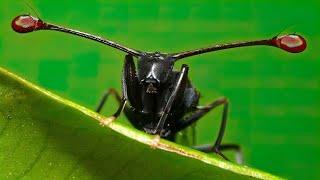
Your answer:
<point x="291" y="43"/>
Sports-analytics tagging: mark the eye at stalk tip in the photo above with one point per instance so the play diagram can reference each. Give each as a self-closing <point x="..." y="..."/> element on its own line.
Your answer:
<point x="26" y="23"/>
<point x="291" y="43"/>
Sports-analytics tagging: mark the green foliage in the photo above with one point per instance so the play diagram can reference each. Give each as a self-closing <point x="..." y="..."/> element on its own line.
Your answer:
<point x="45" y="136"/>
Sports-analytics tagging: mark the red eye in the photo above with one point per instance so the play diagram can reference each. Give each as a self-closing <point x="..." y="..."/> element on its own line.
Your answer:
<point x="26" y="23"/>
<point x="292" y="43"/>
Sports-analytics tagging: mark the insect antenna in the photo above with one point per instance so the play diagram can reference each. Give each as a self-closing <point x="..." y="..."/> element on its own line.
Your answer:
<point x="27" y="3"/>
<point x="27" y="23"/>
<point x="286" y="28"/>
<point x="293" y="43"/>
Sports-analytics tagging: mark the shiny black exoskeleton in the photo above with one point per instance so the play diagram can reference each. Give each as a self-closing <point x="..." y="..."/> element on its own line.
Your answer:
<point x="162" y="100"/>
<point x="158" y="95"/>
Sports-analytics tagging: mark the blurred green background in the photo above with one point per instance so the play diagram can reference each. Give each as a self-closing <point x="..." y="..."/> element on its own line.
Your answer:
<point x="274" y="95"/>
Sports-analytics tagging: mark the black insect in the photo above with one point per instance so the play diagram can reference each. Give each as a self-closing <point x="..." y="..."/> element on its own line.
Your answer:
<point x="162" y="100"/>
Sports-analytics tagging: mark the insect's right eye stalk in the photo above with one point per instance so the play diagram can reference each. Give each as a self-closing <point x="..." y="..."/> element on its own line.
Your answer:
<point x="26" y="23"/>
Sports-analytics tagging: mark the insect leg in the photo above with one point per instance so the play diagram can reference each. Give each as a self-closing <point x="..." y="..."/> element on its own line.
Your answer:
<point x="222" y="101"/>
<point x="104" y="98"/>
<point x="131" y="89"/>
<point x="234" y="147"/>
<point x="201" y="111"/>
<point x="198" y="113"/>
<point x="180" y="84"/>
<point x="108" y="120"/>
<point x="207" y="148"/>
<point x="129" y="84"/>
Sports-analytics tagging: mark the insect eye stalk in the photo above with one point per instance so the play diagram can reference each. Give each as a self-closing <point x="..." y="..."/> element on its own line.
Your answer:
<point x="27" y="23"/>
<point x="291" y="43"/>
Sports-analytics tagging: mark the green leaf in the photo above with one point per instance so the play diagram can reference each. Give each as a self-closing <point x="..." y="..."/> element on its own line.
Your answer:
<point x="45" y="136"/>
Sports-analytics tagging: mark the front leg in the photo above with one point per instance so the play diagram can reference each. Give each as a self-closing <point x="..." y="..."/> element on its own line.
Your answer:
<point x="111" y="91"/>
<point x="129" y="91"/>
<point x="178" y="90"/>
<point x="108" y="120"/>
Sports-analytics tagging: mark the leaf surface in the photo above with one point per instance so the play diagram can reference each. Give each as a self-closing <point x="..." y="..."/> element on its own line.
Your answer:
<point x="45" y="136"/>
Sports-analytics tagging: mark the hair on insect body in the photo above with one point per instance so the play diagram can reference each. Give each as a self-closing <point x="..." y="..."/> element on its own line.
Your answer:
<point x="155" y="97"/>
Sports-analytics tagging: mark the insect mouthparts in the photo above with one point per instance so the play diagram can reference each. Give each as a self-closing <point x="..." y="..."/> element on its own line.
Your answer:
<point x="151" y="89"/>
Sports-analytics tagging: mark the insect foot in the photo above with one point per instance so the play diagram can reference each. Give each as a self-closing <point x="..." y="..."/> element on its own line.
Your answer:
<point x="165" y="133"/>
<point x="107" y="121"/>
<point x="155" y="141"/>
<point x="217" y="151"/>
<point x="150" y="130"/>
